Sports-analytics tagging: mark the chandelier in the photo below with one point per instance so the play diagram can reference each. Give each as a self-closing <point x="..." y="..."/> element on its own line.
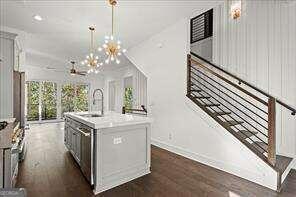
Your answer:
<point x="112" y="46"/>
<point x="91" y="60"/>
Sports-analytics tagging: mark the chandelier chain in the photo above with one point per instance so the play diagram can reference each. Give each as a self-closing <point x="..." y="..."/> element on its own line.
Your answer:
<point x="112" y="20"/>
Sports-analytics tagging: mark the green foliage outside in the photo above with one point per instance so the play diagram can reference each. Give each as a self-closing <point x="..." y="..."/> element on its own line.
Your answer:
<point x="33" y="101"/>
<point x="81" y="99"/>
<point x="68" y="98"/>
<point x="73" y="98"/>
<point x="49" y="100"/>
<point x="128" y="98"/>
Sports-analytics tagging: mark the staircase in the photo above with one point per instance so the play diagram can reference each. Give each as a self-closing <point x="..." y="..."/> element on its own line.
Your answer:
<point x="245" y="111"/>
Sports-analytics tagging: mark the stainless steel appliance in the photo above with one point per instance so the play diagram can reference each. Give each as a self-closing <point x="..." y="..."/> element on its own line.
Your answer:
<point x="79" y="139"/>
<point x="86" y="162"/>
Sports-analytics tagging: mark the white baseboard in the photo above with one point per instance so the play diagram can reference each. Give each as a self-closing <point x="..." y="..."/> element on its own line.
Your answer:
<point x="230" y="168"/>
<point x="289" y="168"/>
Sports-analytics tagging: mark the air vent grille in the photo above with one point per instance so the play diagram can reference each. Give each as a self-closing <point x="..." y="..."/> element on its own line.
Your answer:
<point x="201" y="26"/>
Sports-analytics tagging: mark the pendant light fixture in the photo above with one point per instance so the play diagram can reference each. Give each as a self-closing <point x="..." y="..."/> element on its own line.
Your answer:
<point x="112" y="47"/>
<point x="91" y="60"/>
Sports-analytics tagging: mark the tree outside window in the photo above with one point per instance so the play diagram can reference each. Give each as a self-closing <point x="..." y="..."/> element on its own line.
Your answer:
<point x="128" y="98"/>
<point x="42" y="99"/>
<point x="81" y="99"/>
<point x="33" y="100"/>
<point x="49" y="100"/>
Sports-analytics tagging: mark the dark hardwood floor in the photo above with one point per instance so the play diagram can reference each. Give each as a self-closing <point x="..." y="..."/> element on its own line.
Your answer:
<point x="50" y="171"/>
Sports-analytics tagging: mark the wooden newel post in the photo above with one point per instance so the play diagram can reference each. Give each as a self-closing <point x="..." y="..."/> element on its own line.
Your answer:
<point x="188" y="74"/>
<point x="271" y="130"/>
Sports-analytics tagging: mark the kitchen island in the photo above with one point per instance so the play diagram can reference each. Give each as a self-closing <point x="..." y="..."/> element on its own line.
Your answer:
<point x="111" y="149"/>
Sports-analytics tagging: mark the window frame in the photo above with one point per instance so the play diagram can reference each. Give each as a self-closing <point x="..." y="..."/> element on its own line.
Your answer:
<point x="59" y="104"/>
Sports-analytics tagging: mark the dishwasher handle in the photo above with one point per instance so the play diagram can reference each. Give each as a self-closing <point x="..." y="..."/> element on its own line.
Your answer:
<point x="83" y="133"/>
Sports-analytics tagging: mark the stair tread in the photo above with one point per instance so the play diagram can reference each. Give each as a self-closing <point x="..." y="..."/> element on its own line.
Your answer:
<point x="202" y="97"/>
<point x="233" y="123"/>
<point x="195" y="90"/>
<point x="261" y="144"/>
<point x="246" y="134"/>
<point x="221" y="113"/>
<point x="212" y="105"/>
<point x="282" y="162"/>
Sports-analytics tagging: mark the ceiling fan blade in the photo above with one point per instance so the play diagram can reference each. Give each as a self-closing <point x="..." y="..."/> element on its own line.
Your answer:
<point x="80" y="73"/>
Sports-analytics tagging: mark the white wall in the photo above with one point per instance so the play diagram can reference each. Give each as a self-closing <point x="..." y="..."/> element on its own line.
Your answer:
<point x="139" y="83"/>
<point x="203" y="48"/>
<point x="117" y="76"/>
<point x="260" y="47"/>
<point x="179" y="125"/>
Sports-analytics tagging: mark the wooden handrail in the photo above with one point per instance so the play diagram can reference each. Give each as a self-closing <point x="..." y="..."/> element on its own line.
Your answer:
<point x="241" y="81"/>
<point x="266" y="145"/>
<point x="229" y="82"/>
<point x="271" y="131"/>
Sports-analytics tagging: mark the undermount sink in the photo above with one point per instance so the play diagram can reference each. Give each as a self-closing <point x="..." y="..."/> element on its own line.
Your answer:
<point x="91" y="115"/>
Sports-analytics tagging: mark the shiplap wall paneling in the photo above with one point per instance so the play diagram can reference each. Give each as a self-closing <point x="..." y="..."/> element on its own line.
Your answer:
<point x="260" y="48"/>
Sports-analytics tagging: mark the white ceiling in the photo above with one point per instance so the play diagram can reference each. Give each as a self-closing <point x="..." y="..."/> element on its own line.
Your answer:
<point x="63" y="35"/>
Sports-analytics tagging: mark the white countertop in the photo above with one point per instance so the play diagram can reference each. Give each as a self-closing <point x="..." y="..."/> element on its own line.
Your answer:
<point x="109" y="120"/>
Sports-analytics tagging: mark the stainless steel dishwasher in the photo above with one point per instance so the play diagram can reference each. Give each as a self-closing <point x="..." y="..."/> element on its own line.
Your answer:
<point x="87" y="161"/>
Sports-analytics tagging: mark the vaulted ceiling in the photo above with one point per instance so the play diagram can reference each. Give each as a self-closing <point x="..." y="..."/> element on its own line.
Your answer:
<point x="63" y="34"/>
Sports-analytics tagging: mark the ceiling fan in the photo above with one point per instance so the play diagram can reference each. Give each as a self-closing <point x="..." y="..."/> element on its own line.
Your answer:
<point x="73" y="71"/>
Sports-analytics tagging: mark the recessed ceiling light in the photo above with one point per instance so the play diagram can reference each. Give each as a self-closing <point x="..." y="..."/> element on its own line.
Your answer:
<point x="38" y="17"/>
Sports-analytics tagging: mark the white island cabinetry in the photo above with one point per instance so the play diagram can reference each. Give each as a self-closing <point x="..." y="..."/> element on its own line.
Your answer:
<point x="112" y="149"/>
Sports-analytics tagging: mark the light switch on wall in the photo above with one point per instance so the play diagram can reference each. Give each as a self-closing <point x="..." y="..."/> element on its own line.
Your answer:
<point x="117" y="140"/>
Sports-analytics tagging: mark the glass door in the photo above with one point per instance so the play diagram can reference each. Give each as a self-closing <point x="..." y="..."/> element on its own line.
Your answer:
<point x="33" y="100"/>
<point x="81" y="99"/>
<point x="49" y="101"/>
<point x="74" y="97"/>
<point x="68" y="98"/>
<point x="43" y="99"/>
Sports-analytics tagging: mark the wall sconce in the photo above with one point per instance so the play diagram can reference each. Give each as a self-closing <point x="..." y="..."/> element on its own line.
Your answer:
<point x="236" y="9"/>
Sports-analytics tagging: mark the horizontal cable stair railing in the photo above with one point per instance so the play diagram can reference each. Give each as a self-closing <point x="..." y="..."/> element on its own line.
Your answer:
<point x="225" y="120"/>
<point x="246" y="112"/>
<point x="241" y="81"/>
<point x="232" y="110"/>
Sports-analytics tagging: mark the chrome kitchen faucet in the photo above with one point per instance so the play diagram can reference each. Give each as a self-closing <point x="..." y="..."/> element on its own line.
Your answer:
<point x="102" y="99"/>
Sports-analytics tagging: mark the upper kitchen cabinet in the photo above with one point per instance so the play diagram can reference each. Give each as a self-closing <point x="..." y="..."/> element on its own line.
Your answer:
<point x="8" y="54"/>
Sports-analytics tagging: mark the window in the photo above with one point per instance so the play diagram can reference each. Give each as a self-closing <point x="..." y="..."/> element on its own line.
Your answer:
<point x="33" y="93"/>
<point x="49" y="101"/>
<point x="74" y="98"/>
<point x="81" y="101"/>
<point x="128" y="98"/>
<point x="128" y="93"/>
<point x="68" y="95"/>
<point x="43" y="99"/>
